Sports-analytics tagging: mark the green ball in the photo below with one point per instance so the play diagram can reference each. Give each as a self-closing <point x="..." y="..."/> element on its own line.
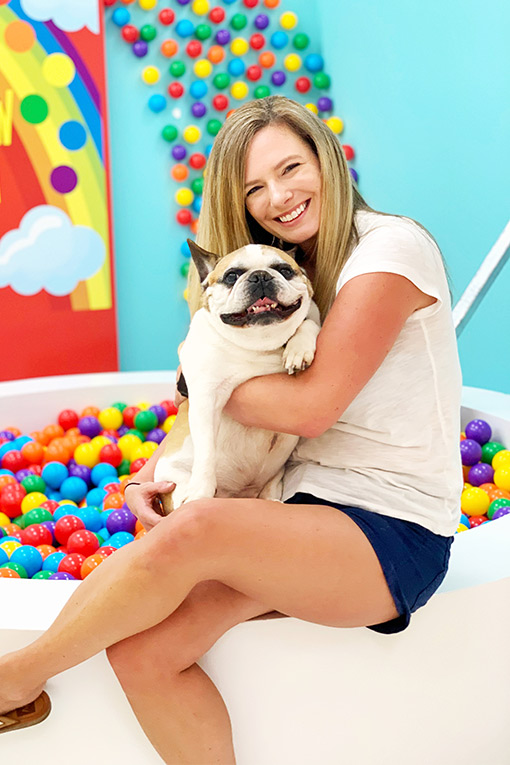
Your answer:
<point x="197" y="186"/>
<point x="21" y="570"/>
<point x="322" y="80"/>
<point x="495" y="505"/>
<point x="19" y="521"/>
<point x="203" y="31"/>
<point x="123" y="468"/>
<point x="214" y="127"/>
<point x="177" y="68"/>
<point x="262" y="91"/>
<point x="42" y="575"/>
<point x="37" y="515"/>
<point x="169" y="133"/>
<point x="221" y="80"/>
<point x="99" y="538"/>
<point x="238" y="21"/>
<point x="120" y="405"/>
<point x="148" y="32"/>
<point x="489" y="450"/>
<point x="301" y="41"/>
<point x="146" y="420"/>
<point x="136" y="432"/>
<point x="34" y="483"/>
<point x="185" y="269"/>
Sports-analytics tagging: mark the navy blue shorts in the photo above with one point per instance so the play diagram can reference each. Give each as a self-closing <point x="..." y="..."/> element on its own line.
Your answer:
<point x="414" y="560"/>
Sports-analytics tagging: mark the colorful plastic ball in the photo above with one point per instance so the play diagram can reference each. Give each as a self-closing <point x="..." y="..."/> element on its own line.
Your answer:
<point x="197" y="185"/>
<point x="239" y="90"/>
<point x="250" y="3"/>
<point x="91" y="563"/>
<point x="110" y="418"/>
<point x="121" y="519"/>
<point x="495" y="505"/>
<point x="197" y="204"/>
<point x="15" y="567"/>
<point x="14" y="460"/>
<point x="183" y="217"/>
<point x="254" y="72"/>
<point x="216" y="15"/>
<point x="169" y="48"/>
<point x="156" y="103"/>
<point x="198" y="89"/>
<point x="198" y="109"/>
<point x="470" y="451"/>
<point x="216" y="54"/>
<point x="74" y="488"/>
<point x="8" y="573"/>
<point x="11" y="497"/>
<point x="478" y="430"/>
<point x="474" y="501"/>
<point x="184" y="197"/>
<point x="148" y="32"/>
<point x="202" y="68"/>
<point x="322" y="81"/>
<point x="111" y="454"/>
<point x="267" y="59"/>
<point x="33" y="483"/>
<point x="220" y="102"/>
<point x="177" y="68"/>
<point x="147" y="5"/>
<point x="28" y="557"/>
<point x="480" y="473"/>
<point x="191" y="134"/>
<point x="261" y="21"/>
<point x="185" y="270"/>
<point x="146" y="420"/>
<point x="262" y="91"/>
<point x="68" y="418"/>
<point x="257" y="41"/>
<point x="62" y="575"/>
<point x="288" y="20"/>
<point x="238" y="21"/>
<point x="490" y="449"/>
<point x="65" y="526"/>
<point x="314" y="62"/>
<point x="501" y="511"/>
<point x="36" y="534"/>
<point x="353" y="174"/>
<point x="303" y="85"/>
<point x="477" y="520"/>
<point x="120" y="539"/>
<point x="194" y="48"/>
<point x="95" y="497"/>
<point x="166" y="16"/>
<point x="223" y="37"/>
<point x="121" y="17"/>
<point x="335" y="124"/>
<point x="292" y="62"/>
<point x="130" y="33"/>
<point x="89" y="426"/>
<point x="203" y="31"/>
<point x="90" y="516"/>
<point x="32" y="500"/>
<point x="37" y="515"/>
<point x="279" y="39"/>
<point x="239" y="46"/>
<point x="236" y="67"/>
<point x="502" y="477"/>
<point x="70" y="566"/>
<point x="184" y="28"/>
<point x="83" y="542"/>
<point x="500" y="459"/>
<point x="349" y="154"/>
<point x="183" y="2"/>
<point x="175" y="90"/>
<point x="140" y="48"/>
<point x="179" y="152"/>
<point x="301" y="41"/>
<point x="150" y="75"/>
<point x="197" y="162"/>
<point x="85" y="454"/>
<point x="214" y="127"/>
<point x="179" y="172"/>
<point x="200" y="7"/>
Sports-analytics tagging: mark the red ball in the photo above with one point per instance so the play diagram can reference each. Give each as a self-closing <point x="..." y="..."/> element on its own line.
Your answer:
<point x="112" y="488"/>
<point x="477" y="520"/>
<point x="65" y="526"/>
<point x="68" y="418"/>
<point x="254" y="72"/>
<point x="194" y="48"/>
<point x="348" y="151"/>
<point x="216" y="15"/>
<point x="14" y="461"/>
<point x="197" y="161"/>
<point x="169" y="407"/>
<point x="250" y="3"/>
<point x="10" y="499"/>
<point x="36" y="534"/>
<point x="166" y="16"/>
<point x="71" y="564"/>
<point x="83" y="542"/>
<point x="112" y="454"/>
<point x="128" y="415"/>
<point x="184" y="217"/>
<point x="107" y="550"/>
<point x="130" y="33"/>
<point x="176" y="90"/>
<point x="50" y="505"/>
<point x="35" y="469"/>
<point x="257" y="41"/>
<point x="220" y="102"/>
<point x="303" y="84"/>
<point x="109" y="2"/>
<point x="137" y="465"/>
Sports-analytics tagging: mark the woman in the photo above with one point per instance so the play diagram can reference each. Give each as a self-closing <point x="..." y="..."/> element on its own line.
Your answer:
<point x="371" y="494"/>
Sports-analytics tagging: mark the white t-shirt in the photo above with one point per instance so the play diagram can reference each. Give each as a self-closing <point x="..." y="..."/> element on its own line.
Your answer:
<point x="395" y="449"/>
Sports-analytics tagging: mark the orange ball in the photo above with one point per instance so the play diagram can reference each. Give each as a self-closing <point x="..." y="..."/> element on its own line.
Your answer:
<point x="33" y="452"/>
<point x="90" y="563"/>
<point x="139" y="526"/>
<point x="12" y="530"/>
<point x="169" y="48"/>
<point x="113" y="501"/>
<point x="8" y="573"/>
<point x="46" y="550"/>
<point x="267" y="59"/>
<point x="5" y="478"/>
<point x="194" y="226"/>
<point x="53" y="431"/>
<point x="271" y="3"/>
<point x="90" y="411"/>
<point x="13" y="430"/>
<point x="180" y="172"/>
<point x="229" y="113"/>
<point x="57" y="452"/>
<point x="216" y="54"/>
<point x="498" y="494"/>
<point x="140" y="534"/>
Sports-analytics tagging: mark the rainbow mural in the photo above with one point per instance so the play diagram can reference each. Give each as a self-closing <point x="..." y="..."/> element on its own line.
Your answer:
<point x="55" y="234"/>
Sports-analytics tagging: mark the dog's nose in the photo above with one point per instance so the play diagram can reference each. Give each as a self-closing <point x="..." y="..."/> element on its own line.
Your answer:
<point x="260" y="276"/>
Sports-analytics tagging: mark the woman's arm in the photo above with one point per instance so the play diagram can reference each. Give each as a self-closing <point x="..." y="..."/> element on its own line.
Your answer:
<point x="359" y="331"/>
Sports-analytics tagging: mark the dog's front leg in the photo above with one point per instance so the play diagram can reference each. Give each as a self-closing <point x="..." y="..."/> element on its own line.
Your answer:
<point x="300" y="349"/>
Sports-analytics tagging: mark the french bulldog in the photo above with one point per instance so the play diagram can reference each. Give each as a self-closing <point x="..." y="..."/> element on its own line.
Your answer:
<point x="257" y="317"/>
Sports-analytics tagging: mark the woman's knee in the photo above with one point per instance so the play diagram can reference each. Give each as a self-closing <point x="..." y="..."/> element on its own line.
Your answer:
<point x="137" y="664"/>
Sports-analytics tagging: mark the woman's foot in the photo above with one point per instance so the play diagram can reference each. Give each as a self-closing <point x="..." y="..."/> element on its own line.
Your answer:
<point x="15" y="690"/>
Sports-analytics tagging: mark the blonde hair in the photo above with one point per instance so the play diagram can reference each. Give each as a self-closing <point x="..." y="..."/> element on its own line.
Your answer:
<point x="224" y="223"/>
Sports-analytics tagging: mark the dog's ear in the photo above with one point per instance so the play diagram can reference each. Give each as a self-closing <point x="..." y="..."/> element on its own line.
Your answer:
<point x="292" y="252"/>
<point x="203" y="260"/>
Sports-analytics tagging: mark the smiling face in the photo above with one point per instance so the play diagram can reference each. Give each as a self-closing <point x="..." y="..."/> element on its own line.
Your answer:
<point x="283" y="185"/>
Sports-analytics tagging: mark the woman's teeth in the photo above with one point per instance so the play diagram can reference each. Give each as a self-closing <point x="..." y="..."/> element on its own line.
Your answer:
<point x="294" y="214"/>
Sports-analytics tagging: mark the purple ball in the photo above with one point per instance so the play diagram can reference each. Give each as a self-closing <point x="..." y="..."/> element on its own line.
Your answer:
<point x="179" y="152"/>
<point x="122" y="430"/>
<point x="121" y="520"/>
<point x="80" y="471"/>
<point x="156" y="435"/>
<point x="7" y="435"/>
<point x="480" y="473"/>
<point x="470" y="451"/>
<point x="222" y="36"/>
<point x="183" y="2"/>
<point x="159" y="411"/>
<point x="478" y="430"/>
<point x="21" y="474"/>
<point x="89" y="426"/>
<point x="51" y="526"/>
<point x="62" y="575"/>
<point x="500" y="512"/>
<point x="354" y="174"/>
<point x="278" y="78"/>
<point x="324" y="104"/>
<point x="198" y="109"/>
<point x="140" y="48"/>
<point x="261" y="21"/>
<point x="71" y="462"/>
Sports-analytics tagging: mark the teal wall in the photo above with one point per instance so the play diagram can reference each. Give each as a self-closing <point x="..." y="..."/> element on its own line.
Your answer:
<point x="423" y="91"/>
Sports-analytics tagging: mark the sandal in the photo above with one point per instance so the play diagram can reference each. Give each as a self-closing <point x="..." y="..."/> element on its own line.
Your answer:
<point x="30" y="714"/>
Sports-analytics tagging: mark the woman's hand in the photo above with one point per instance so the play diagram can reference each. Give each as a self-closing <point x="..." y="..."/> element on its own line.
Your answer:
<point x="144" y="502"/>
<point x="179" y="398"/>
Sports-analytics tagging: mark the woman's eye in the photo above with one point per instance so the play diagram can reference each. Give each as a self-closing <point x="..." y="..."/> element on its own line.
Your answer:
<point x="255" y="188"/>
<point x="292" y="166"/>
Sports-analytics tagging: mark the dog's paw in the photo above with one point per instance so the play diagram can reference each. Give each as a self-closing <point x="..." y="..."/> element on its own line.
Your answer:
<point x="298" y="354"/>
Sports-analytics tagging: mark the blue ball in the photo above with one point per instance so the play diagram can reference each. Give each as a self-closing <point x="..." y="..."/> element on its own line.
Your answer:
<point x="198" y="89"/>
<point x="121" y="17"/>
<point x="185" y="250"/>
<point x="102" y="470"/>
<point x="62" y="510"/>
<point x="236" y="67"/>
<point x="279" y="40"/>
<point x="95" y="497"/>
<point x="28" y="557"/>
<point x="90" y="516"/>
<point x="120" y="538"/>
<point x="74" y="488"/>
<point x="54" y="474"/>
<point x="56" y="496"/>
<point x="107" y="480"/>
<point x="185" y="28"/>
<point x="4" y="471"/>
<point x="314" y="62"/>
<point x="3" y="556"/>
<point x="51" y="562"/>
<point x="157" y="103"/>
<point x="105" y="534"/>
<point x="208" y="149"/>
<point x="197" y="204"/>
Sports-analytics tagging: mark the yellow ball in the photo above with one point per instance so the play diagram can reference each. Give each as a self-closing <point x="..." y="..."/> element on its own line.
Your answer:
<point x="292" y="62"/>
<point x="110" y="418"/>
<point x="34" y="499"/>
<point x="502" y="477"/>
<point x="167" y="425"/>
<point x="461" y="527"/>
<point x="288" y="20"/>
<point x="10" y="546"/>
<point x="185" y="294"/>
<point x="239" y="90"/>
<point x="98" y="442"/>
<point x="67" y="502"/>
<point x="202" y="68"/>
<point x="501" y="458"/>
<point x="335" y="124"/>
<point x="4" y="519"/>
<point x="150" y="75"/>
<point x="184" y="197"/>
<point x="145" y="450"/>
<point x="200" y="7"/>
<point x="191" y="134"/>
<point x="239" y="46"/>
<point x="127" y="444"/>
<point x="474" y="501"/>
<point x="86" y="454"/>
<point x="143" y="405"/>
<point x="147" y="5"/>
<point x="312" y="108"/>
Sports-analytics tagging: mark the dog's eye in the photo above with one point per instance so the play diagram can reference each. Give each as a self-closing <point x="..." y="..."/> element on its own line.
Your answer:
<point x="286" y="271"/>
<point x="232" y="276"/>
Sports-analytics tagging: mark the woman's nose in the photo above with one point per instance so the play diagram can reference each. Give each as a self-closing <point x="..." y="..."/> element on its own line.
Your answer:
<point x="279" y="194"/>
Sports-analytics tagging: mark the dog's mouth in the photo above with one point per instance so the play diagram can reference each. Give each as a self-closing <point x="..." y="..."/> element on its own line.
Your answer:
<point x="263" y="310"/>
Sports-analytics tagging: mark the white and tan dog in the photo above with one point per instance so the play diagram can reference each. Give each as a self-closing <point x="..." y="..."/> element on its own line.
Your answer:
<point x="257" y="317"/>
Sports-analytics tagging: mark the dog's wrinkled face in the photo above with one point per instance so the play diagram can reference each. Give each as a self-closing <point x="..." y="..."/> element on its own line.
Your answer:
<point x="256" y="285"/>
